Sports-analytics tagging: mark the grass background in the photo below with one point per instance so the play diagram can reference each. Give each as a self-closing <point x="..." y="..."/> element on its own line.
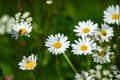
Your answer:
<point x="59" y="17"/>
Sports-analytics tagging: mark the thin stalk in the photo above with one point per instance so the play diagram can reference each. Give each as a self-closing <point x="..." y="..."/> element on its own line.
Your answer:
<point x="87" y="62"/>
<point x="35" y="75"/>
<point x="27" y="74"/>
<point x="68" y="60"/>
<point x="118" y="39"/>
<point x="118" y="36"/>
<point x="1" y="74"/>
<point x="27" y="44"/>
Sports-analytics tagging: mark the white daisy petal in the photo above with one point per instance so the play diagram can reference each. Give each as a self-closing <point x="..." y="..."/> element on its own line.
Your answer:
<point x="21" y="29"/>
<point x="111" y="15"/>
<point x="105" y="33"/>
<point x="83" y="76"/>
<point x="28" y="63"/>
<point x="83" y="46"/>
<point x="57" y="44"/>
<point x="85" y="28"/>
<point x="103" y="55"/>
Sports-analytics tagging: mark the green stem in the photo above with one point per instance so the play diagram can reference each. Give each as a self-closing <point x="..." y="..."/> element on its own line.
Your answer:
<point x="1" y="74"/>
<point x="34" y="74"/>
<point x="118" y="37"/>
<point x="118" y="40"/>
<point x="68" y="60"/>
<point x="27" y="44"/>
<point x="26" y="77"/>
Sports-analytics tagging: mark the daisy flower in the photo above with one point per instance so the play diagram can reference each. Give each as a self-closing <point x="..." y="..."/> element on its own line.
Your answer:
<point x="99" y="72"/>
<point x="87" y="28"/>
<point x="84" y="46"/>
<point x="57" y="44"/>
<point x="20" y="29"/>
<point x="112" y="15"/>
<point x="5" y="21"/>
<point x="49" y="1"/>
<point x="115" y="73"/>
<point x="22" y="17"/>
<point x="103" y="55"/>
<point x="83" y="76"/>
<point x="28" y="63"/>
<point x="105" y="33"/>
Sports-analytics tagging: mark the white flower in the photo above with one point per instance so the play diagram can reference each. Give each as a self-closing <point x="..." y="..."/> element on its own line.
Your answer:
<point x="83" y="46"/>
<point x="87" y="28"/>
<point x="83" y="76"/>
<point x="98" y="74"/>
<point x="28" y="63"/>
<point x="25" y="15"/>
<point x="105" y="33"/>
<point x="17" y="16"/>
<point x="20" y="29"/>
<point x="113" y="67"/>
<point x="57" y="44"/>
<point x="5" y="24"/>
<point x="98" y="67"/>
<point x="111" y="75"/>
<point x="22" y="17"/>
<point x="103" y="55"/>
<point x="105" y="78"/>
<point x="118" y="76"/>
<point x="106" y="72"/>
<point x="49" y="1"/>
<point x="92" y="72"/>
<point x="4" y="18"/>
<point x="111" y="15"/>
<point x="2" y="29"/>
<point x="115" y="72"/>
<point x="29" y="19"/>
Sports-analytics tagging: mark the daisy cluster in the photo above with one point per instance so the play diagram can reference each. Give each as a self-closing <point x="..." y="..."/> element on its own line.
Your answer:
<point x="21" y="25"/>
<point x="92" y="40"/>
<point x="100" y="73"/>
<point x="89" y="37"/>
<point x="5" y="27"/>
<point x="98" y="36"/>
<point x="115" y="73"/>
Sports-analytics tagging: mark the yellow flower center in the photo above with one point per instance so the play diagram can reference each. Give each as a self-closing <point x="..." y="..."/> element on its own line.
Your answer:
<point x="22" y="31"/>
<point x="57" y="45"/>
<point x="30" y="64"/>
<point x="86" y="30"/>
<point x="101" y="53"/>
<point x="82" y="79"/>
<point x="83" y="47"/>
<point x="115" y="16"/>
<point x="103" y="32"/>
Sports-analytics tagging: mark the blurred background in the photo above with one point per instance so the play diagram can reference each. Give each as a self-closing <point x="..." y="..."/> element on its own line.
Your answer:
<point x="59" y="16"/>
